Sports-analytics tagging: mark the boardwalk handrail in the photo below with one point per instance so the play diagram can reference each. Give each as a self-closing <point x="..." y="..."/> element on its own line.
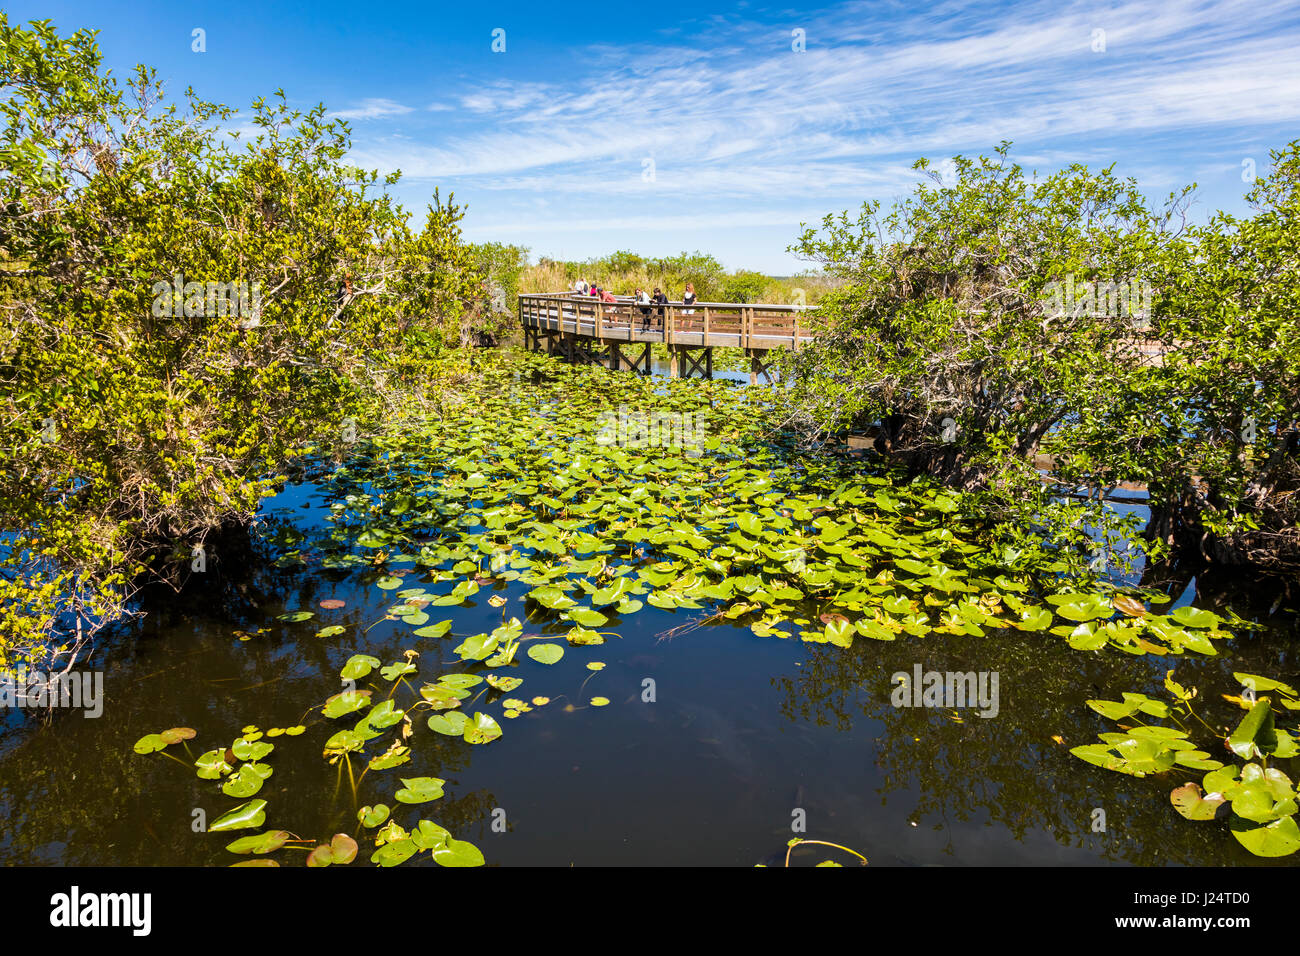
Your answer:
<point x="755" y="326"/>
<point x="699" y="303"/>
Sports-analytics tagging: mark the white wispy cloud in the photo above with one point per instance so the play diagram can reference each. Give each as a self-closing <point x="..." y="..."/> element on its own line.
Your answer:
<point x="372" y="109"/>
<point x="729" y="112"/>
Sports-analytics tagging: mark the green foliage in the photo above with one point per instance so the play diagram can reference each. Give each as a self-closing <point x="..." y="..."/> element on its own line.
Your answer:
<point x="183" y="313"/>
<point x="1262" y="799"/>
<point x="504" y="266"/>
<point x="947" y="314"/>
<point x="744" y="286"/>
<point x="1214" y="427"/>
<point x="998" y="318"/>
<point x="804" y="546"/>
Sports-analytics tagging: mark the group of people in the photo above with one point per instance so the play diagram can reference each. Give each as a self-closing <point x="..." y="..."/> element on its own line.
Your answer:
<point x="646" y="302"/>
<point x="582" y="287"/>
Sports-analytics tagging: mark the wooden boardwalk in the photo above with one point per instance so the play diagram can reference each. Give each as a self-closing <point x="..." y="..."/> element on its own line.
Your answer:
<point x="620" y="334"/>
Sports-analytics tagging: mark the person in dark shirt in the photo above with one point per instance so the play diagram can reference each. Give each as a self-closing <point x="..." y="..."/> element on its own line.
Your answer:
<point x="688" y="298"/>
<point x="660" y="300"/>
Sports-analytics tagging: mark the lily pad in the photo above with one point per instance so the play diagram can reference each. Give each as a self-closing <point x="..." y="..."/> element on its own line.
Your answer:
<point x="420" y="789"/>
<point x="1279" y="838"/>
<point x="452" y="723"/>
<point x="340" y="850"/>
<point x="457" y="853"/>
<point x="358" y="666"/>
<point x="481" y="730"/>
<point x="267" y="842"/>
<point x="546" y="653"/>
<point x="1190" y="801"/>
<point x="244" y="816"/>
<point x="347" y="702"/>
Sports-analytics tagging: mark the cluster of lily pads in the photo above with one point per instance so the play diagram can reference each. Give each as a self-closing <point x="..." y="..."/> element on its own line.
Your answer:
<point x="242" y="772"/>
<point x="514" y="493"/>
<point x="1259" y="800"/>
<point x="515" y="486"/>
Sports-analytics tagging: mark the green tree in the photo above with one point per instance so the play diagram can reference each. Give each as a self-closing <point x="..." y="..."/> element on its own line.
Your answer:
<point x="503" y="265"/>
<point x="181" y="313"/>
<point x="958" y="328"/>
<point x="1214" y="428"/>
<point x="950" y="329"/>
<point x="744" y="286"/>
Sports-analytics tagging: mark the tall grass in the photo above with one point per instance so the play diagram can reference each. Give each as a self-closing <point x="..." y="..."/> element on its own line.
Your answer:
<point x="624" y="273"/>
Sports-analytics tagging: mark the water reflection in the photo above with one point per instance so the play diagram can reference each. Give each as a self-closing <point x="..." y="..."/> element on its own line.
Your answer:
<point x="739" y="738"/>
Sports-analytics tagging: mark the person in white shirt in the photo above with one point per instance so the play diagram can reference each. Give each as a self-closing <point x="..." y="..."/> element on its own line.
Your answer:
<point x="688" y="298"/>
<point x="643" y="300"/>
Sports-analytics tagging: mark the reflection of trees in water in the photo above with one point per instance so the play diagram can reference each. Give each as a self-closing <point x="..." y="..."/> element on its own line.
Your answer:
<point x="74" y="792"/>
<point x="1007" y="767"/>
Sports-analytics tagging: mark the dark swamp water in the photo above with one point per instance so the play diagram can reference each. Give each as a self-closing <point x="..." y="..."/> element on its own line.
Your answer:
<point x="744" y="736"/>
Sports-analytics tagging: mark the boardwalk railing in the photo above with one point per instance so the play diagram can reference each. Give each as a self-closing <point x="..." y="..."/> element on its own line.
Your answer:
<point x="756" y="326"/>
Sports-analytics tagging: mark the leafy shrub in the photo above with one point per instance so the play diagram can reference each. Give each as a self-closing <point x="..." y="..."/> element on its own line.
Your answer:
<point x="182" y="313"/>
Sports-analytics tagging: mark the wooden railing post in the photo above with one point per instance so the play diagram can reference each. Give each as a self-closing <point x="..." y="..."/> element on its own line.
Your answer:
<point x="551" y="312"/>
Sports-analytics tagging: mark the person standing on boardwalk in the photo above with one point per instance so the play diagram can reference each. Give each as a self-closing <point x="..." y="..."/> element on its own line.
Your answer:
<point x="660" y="300"/>
<point x="688" y="299"/>
<point x="643" y="301"/>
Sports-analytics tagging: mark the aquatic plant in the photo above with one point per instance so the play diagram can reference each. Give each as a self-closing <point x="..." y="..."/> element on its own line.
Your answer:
<point x="520" y="499"/>
<point x="527" y="487"/>
<point x="1259" y="800"/>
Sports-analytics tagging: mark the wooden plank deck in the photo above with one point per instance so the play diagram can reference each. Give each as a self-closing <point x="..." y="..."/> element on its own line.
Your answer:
<point x="585" y="329"/>
<point x="757" y="326"/>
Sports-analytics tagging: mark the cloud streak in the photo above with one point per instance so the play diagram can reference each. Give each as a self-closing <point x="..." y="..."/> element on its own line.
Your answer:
<point x="731" y="114"/>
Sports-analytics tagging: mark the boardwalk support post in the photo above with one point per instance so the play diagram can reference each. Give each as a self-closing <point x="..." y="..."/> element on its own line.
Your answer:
<point x="586" y="332"/>
<point x="701" y="363"/>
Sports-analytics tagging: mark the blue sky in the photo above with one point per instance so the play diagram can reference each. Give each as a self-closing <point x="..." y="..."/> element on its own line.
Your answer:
<point x="550" y="142"/>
